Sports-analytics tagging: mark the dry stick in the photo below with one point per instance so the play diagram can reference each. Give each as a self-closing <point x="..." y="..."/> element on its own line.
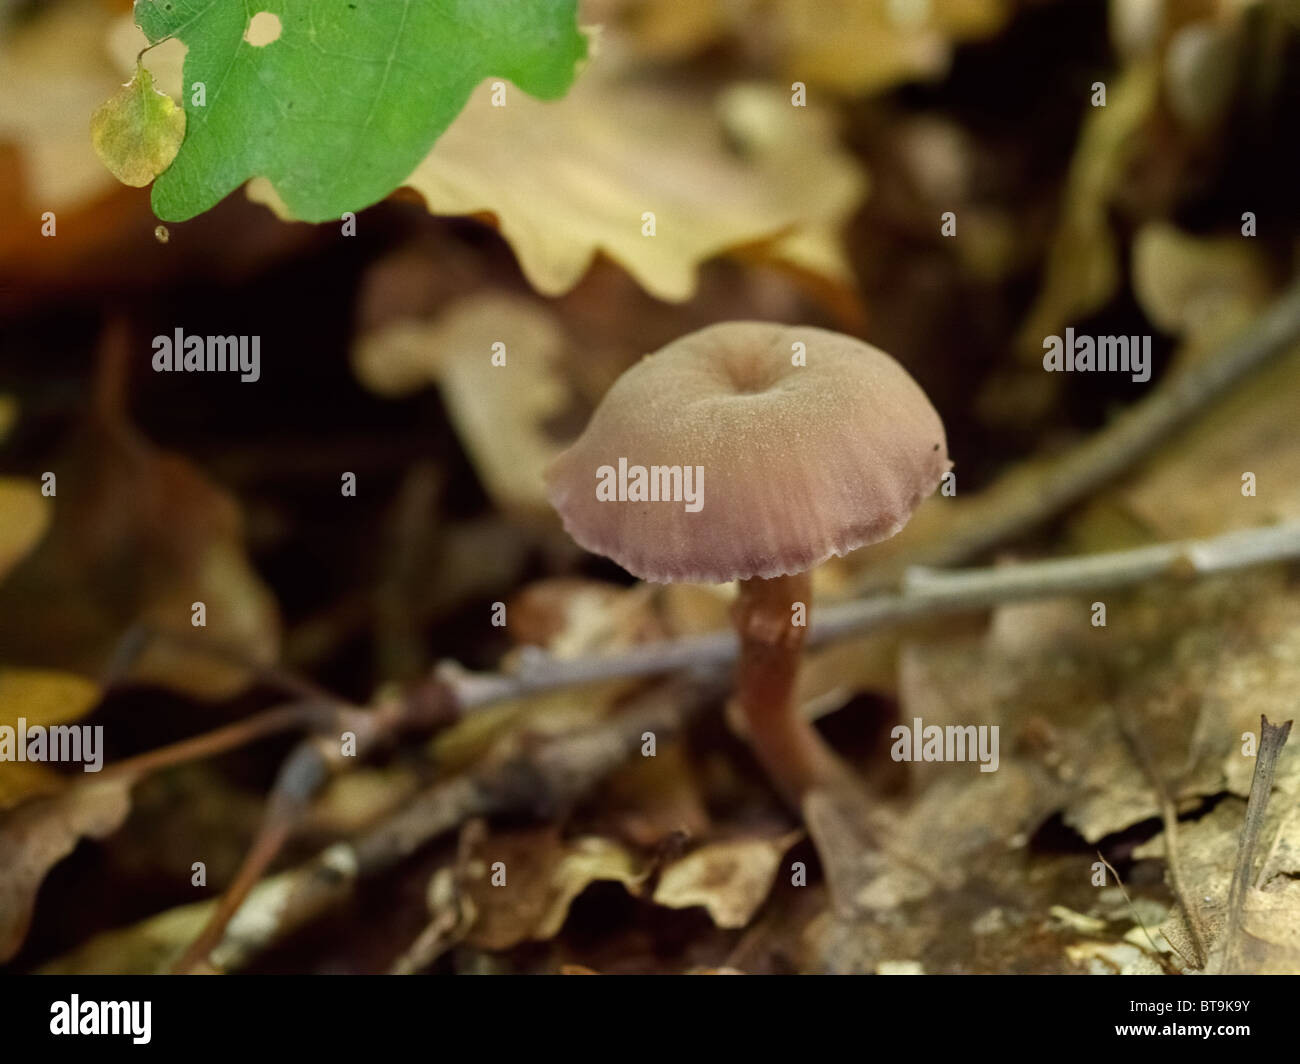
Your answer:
<point x="549" y="777"/>
<point x="315" y="708"/>
<point x="1029" y="496"/>
<point x="1272" y="737"/>
<point x="455" y="691"/>
<point x="298" y="780"/>
<point x="313" y="761"/>
<point x="259" y="857"/>
<point x="136" y="640"/>
<point x="303" y="772"/>
<point x="221" y="740"/>
<point x="1159" y="955"/>
<point x="1173" y="858"/>
<point x="925" y="594"/>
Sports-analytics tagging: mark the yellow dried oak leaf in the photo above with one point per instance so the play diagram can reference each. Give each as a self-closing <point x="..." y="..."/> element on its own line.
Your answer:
<point x="138" y="132"/>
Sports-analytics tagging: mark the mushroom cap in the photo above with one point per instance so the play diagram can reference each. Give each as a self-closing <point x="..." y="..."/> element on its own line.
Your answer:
<point x="800" y="462"/>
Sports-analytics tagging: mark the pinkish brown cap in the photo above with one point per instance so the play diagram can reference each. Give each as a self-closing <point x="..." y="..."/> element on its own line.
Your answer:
<point x="799" y="462"/>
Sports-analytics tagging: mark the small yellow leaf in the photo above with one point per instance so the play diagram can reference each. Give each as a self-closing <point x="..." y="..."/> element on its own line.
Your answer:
<point x="44" y="696"/>
<point x="138" y="132"/>
<point x="41" y="698"/>
<point x="24" y="516"/>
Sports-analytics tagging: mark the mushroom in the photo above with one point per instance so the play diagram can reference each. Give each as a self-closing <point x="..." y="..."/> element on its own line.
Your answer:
<point x="752" y="451"/>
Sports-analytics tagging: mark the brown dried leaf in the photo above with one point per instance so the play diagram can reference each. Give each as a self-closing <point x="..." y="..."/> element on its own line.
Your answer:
<point x="573" y="618"/>
<point x="501" y="412"/>
<point x="138" y="536"/>
<point x="566" y="618"/>
<point x="908" y="41"/>
<point x="730" y="879"/>
<point x="543" y="876"/>
<point x="1203" y="289"/>
<point x="1083" y="268"/>
<point x="1271" y="930"/>
<point x="39" y="834"/>
<point x="789" y="183"/>
<point x="655" y="799"/>
<point x="820" y="42"/>
<point x="1186" y="670"/>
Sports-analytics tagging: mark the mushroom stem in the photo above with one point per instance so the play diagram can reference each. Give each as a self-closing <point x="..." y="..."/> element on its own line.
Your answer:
<point x="786" y="743"/>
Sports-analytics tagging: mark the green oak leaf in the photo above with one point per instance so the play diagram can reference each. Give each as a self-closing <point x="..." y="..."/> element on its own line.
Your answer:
<point x="136" y="134"/>
<point x="341" y="107"/>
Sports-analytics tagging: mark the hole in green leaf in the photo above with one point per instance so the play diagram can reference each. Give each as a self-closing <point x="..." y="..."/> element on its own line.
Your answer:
<point x="263" y="29"/>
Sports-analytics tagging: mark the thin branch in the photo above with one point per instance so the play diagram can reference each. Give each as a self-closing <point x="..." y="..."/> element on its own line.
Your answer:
<point x="1272" y="737"/>
<point x="1035" y="492"/>
<point x="547" y="777"/>
<point x="1173" y="855"/>
<point x="300" y="776"/>
<point x="925" y="593"/>
<point x="137" y="638"/>
<point x="540" y="779"/>
<point x="221" y="740"/>
<point x="453" y="691"/>
<point x="304" y="772"/>
<point x="1155" y="950"/>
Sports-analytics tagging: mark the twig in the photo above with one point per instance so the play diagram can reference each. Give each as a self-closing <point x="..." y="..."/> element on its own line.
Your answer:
<point x="1173" y="859"/>
<point x="552" y="775"/>
<point x="280" y="718"/>
<point x="299" y="777"/>
<point x="925" y="593"/>
<point x="453" y="691"/>
<point x="313" y="761"/>
<point x="1272" y="737"/>
<point x="541" y="779"/>
<point x="137" y="638"/>
<point x="1159" y="954"/>
<point x="1034" y="493"/>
